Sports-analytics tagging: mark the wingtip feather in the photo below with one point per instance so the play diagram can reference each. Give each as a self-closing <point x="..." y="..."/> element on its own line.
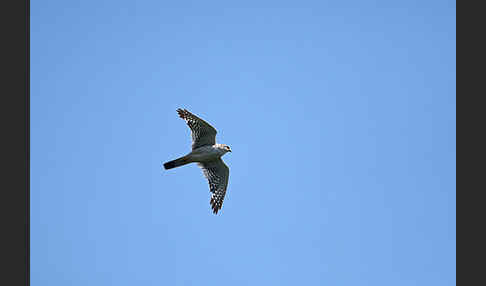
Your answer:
<point x="182" y="113"/>
<point x="215" y="206"/>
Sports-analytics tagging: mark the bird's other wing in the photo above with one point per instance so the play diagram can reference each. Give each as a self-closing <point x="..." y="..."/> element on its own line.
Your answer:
<point x="217" y="174"/>
<point x="202" y="133"/>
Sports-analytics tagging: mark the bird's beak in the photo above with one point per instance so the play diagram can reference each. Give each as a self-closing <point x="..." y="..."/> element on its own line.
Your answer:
<point x="229" y="150"/>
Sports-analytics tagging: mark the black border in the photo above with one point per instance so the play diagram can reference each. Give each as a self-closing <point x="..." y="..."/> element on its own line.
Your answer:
<point x="15" y="138"/>
<point x="27" y="139"/>
<point x="469" y="145"/>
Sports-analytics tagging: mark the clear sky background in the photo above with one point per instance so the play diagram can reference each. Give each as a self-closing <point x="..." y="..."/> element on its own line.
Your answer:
<point x="340" y="114"/>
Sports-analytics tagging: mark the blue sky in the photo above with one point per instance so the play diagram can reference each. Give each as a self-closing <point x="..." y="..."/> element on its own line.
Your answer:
<point x="340" y="114"/>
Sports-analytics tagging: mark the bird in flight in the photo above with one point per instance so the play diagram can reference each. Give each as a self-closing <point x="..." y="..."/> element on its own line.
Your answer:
<point x="207" y="154"/>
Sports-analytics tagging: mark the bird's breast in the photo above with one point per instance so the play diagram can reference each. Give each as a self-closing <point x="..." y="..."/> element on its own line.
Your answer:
<point x="206" y="153"/>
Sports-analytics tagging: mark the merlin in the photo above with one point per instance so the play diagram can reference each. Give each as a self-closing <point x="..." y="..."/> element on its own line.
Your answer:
<point x="207" y="154"/>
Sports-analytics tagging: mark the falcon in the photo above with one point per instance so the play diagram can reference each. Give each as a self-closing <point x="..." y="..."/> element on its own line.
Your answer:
<point x="207" y="154"/>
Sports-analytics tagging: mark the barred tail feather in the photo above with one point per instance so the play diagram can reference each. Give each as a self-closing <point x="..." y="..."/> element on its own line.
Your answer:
<point x="176" y="163"/>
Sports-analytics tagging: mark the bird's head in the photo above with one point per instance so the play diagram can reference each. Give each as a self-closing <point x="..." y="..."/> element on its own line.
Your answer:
<point x="226" y="148"/>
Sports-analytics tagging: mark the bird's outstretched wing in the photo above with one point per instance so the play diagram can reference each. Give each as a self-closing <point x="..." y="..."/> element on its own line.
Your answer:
<point x="202" y="133"/>
<point x="217" y="174"/>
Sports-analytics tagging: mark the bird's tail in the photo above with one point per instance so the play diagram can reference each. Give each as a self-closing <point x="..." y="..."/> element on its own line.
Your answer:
<point x="177" y="162"/>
